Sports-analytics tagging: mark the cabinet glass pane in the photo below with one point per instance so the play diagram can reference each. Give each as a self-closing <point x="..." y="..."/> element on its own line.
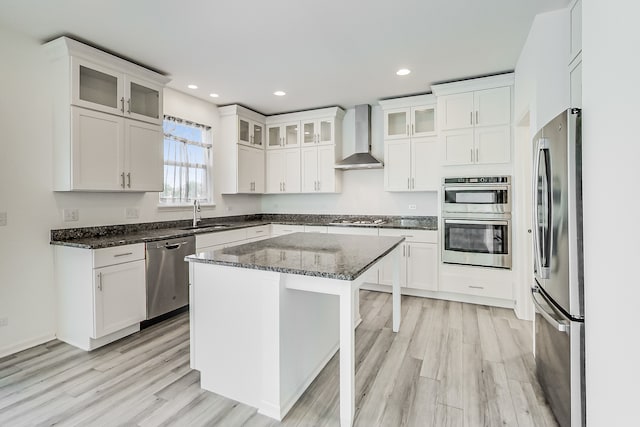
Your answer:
<point x="244" y="130"/>
<point x="397" y="123"/>
<point x="291" y="135"/>
<point x="99" y="88"/>
<point x="144" y="101"/>
<point x="325" y="130"/>
<point x="424" y="120"/>
<point x="309" y="133"/>
<point x="274" y="136"/>
<point x="257" y="134"/>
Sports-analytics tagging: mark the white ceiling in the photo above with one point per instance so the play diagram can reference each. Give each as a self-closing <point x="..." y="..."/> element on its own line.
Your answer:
<point x="322" y="53"/>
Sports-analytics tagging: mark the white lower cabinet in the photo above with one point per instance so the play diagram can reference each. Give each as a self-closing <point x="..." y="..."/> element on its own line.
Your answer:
<point x="419" y="262"/>
<point x="280" y="229"/>
<point x="101" y="294"/>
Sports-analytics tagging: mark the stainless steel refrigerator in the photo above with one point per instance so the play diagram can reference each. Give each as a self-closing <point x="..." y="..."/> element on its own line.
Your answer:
<point x="558" y="289"/>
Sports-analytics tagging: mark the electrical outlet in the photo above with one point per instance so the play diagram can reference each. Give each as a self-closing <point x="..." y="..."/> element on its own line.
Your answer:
<point x="228" y="208"/>
<point x="70" y="215"/>
<point x="412" y="207"/>
<point x="4" y="322"/>
<point x="131" y="213"/>
<point x="3" y="219"/>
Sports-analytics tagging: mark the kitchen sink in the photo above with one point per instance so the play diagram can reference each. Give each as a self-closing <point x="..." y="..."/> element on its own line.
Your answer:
<point x="201" y="226"/>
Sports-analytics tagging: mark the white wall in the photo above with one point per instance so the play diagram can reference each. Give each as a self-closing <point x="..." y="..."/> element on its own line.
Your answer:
<point x="611" y="154"/>
<point x="362" y="190"/>
<point x="26" y="258"/>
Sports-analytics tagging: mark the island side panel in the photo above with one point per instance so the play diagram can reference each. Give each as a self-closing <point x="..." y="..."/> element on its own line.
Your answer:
<point x="309" y="336"/>
<point x="235" y="330"/>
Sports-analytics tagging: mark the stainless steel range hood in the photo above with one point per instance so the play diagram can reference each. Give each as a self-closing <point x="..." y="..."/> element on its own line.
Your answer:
<point x="362" y="158"/>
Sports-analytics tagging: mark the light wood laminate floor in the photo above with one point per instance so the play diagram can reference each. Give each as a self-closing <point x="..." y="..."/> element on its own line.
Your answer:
<point x="451" y="364"/>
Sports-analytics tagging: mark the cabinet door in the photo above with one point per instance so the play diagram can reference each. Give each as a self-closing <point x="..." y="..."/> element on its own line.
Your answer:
<point x="493" y="144"/>
<point x="257" y="134"/>
<point x="385" y="274"/>
<point x="309" y="132"/>
<point x="457" y="146"/>
<point x="291" y="171"/>
<point x="275" y="167"/>
<point x="397" y="168"/>
<point x="309" y="166"/>
<point x="274" y="136"/>
<point x="492" y="107"/>
<point x="326" y="131"/>
<point x="97" y="150"/>
<point x="455" y="111"/>
<point x="119" y="297"/>
<point x="397" y="123"/>
<point x="257" y="170"/>
<point x="244" y="131"/>
<point x="97" y="87"/>
<point x="422" y="266"/>
<point x="245" y="174"/>
<point x="143" y="100"/>
<point x="326" y="169"/>
<point x="423" y="121"/>
<point x="144" y="162"/>
<point x="425" y="164"/>
<point x="291" y="136"/>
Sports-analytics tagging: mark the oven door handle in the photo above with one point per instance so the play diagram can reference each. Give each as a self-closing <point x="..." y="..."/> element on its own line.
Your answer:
<point x="478" y="188"/>
<point x="476" y="221"/>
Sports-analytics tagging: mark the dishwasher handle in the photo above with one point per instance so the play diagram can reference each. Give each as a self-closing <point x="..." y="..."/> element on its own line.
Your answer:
<point x="174" y="245"/>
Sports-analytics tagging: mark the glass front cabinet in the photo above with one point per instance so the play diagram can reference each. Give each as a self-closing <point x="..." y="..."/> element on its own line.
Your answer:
<point x="410" y="122"/>
<point x="286" y="135"/>
<point x="104" y="89"/>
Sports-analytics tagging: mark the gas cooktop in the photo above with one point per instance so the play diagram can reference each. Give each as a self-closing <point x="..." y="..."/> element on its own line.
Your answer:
<point x="358" y="222"/>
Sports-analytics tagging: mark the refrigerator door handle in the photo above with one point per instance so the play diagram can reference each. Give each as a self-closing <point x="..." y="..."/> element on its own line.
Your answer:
<point x="543" y="272"/>
<point x="559" y="324"/>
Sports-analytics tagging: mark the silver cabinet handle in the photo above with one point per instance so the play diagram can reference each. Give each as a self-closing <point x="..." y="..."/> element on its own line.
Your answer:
<point x="408" y="251"/>
<point x="129" y="106"/>
<point x="477" y="117"/>
<point x="413" y="183"/>
<point x="122" y="176"/>
<point x="412" y="129"/>
<point x="284" y="186"/>
<point x="100" y="281"/>
<point x="129" y="179"/>
<point x="123" y="254"/>
<point x="471" y="149"/>
<point x="259" y="231"/>
<point x="403" y="250"/>
<point x="476" y="287"/>
<point x="477" y="156"/>
<point x="122" y="104"/>
<point x="561" y="325"/>
<point x="406" y="235"/>
<point x="471" y="118"/>
<point x="408" y="183"/>
<point x="280" y="186"/>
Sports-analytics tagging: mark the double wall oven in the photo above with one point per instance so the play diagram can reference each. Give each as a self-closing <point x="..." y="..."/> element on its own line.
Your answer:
<point x="476" y="213"/>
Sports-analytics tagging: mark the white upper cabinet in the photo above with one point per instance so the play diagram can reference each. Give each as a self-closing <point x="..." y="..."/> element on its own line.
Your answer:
<point x="250" y="132"/>
<point x="107" y="133"/>
<point x="474" y="119"/>
<point x="411" y="147"/>
<point x="412" y="121"/>
<point x="284" y="135"/>
<point x="104" y="89"/>
<point x="250" y="170"/>
<point x="575" y="11"/>
<point x="283" y="171"/>
<point x="318" y="131"/>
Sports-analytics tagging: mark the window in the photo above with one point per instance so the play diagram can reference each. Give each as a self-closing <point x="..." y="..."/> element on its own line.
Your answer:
<point x="187" y="162"/>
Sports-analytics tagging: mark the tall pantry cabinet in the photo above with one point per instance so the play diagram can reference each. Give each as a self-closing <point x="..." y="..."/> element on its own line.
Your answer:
<point x="107" y="125"/>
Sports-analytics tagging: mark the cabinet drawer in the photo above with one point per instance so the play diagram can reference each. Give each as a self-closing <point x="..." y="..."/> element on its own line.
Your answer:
<point x="261" y="231"/>
<point x="117" y="255"/>
<point x="220" y="238"/>
<point x="492" y="283"/>
<point x="278" y="229"/>
<point x="427" y="236"/>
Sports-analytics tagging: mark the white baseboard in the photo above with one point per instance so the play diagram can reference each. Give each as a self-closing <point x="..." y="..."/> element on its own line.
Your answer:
<point x="23" y="345"/>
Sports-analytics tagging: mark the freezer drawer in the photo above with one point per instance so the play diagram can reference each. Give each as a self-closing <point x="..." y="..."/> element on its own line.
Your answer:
<point x="559" y="352"/>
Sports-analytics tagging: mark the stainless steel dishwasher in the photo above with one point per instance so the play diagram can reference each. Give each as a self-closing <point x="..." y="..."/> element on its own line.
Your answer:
<point x="168" y="274"/>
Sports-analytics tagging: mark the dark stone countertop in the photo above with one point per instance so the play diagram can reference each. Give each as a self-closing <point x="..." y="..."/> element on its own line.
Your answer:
<point x="127" y="234"/>
<point x="332" y="256"/>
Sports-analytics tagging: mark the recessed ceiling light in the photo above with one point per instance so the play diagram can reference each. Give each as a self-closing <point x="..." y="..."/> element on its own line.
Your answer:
<point x="192" y="86"/>
<point x="214" y="95"/>
<point x="279" y="93"/>
<point x="403" y="71"/>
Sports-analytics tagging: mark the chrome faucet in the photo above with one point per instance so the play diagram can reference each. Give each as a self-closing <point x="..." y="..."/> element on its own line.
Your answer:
<point x="196" y="209"/>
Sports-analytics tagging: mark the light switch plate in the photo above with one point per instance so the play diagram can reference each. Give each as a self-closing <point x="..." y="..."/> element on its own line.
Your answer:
<point x="3" y="219"/>
<point x="70" y="214"/>
<point x="131" y="213"/>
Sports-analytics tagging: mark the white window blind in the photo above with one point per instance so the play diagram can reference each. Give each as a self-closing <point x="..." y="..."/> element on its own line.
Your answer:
<point x="187" y="162"/>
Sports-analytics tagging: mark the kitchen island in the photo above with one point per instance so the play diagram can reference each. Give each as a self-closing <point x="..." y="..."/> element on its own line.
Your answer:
<point x="265" y="318"/>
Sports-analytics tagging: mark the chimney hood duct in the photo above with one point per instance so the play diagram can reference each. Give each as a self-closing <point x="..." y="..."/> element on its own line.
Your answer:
<point x="362" y="158"/>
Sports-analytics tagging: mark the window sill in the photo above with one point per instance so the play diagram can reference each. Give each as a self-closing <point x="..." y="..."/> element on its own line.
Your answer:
<point x="185" y="207"/>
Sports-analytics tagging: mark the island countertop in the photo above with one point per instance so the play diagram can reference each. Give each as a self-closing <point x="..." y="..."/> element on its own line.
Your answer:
<point x="334" y="256"/>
